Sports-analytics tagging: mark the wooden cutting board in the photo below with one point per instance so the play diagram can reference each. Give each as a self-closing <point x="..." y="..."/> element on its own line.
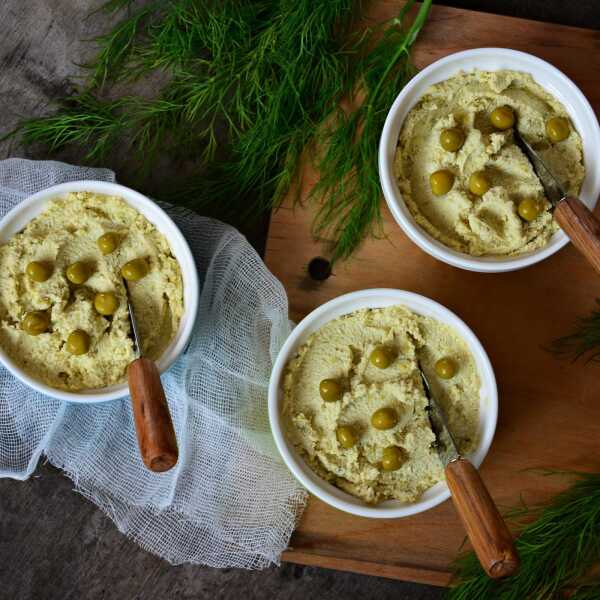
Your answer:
<point x="549" y="409"/>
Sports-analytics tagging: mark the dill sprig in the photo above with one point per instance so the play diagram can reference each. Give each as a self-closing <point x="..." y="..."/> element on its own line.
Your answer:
<point x="557" y="549"/>
<point x="82" y="120"/>
<point x="253" y="86"/>
<point x="349" y="182"/>
<point x="117" y="46"/>
<point x="586" y="592"/>
<point x="583" y="342"/>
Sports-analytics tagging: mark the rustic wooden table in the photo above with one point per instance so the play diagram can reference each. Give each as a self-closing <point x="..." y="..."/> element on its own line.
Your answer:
<point x="549" y="414"/>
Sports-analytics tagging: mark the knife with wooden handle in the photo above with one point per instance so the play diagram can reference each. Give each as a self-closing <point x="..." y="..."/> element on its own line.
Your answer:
<point x="574" y="217"/>
<point x="487" y="531"/>
<point x="153" y="424"/>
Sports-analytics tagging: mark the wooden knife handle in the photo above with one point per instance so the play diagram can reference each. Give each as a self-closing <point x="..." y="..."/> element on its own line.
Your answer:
<point x="486" y="529"/>
<point x="153" y="424"/>
<point x="578" y="222"/>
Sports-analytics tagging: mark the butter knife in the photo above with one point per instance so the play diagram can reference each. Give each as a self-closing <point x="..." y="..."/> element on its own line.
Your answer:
<point x="153" y="424"/>
<point x="574" y="217"/>
<point x="487" y="531"/>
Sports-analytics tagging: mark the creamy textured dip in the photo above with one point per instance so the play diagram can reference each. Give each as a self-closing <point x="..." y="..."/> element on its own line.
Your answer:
<point x="66" y="232"/>
<point x="487" y="225"/>
<point x="341" y="350"/>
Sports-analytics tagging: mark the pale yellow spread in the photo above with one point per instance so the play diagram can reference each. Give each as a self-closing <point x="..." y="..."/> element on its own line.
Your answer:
<point x="67" y="232"/>
<point x="341" y="350"/>
<point x="489" y="225"/>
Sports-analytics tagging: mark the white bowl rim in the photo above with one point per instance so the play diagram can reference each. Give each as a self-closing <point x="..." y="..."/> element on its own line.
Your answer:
<point x="161" y="220"/>
<point x="364" y="299"/>
<point x="523" y="62"/>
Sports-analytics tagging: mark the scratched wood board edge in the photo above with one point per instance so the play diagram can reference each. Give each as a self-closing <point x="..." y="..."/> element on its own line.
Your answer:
<point x="402" y="572"/>
<point x="314" y="555"/>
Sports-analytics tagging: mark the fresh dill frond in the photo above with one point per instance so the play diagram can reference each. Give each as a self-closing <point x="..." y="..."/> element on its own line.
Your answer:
<point x="117" y="46"/>
<point x="557" y="547"/>
<point x="113" y="6"/>
<point x="348" y="188"/>
<point x="587" y="592"/>
<point x="583" y="342"/>
<point x="83" y="121"/>
<point x="253" y="87"/>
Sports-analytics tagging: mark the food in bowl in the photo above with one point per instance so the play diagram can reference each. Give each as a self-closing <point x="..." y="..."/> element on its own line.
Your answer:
<point x="462" y="176"/>
<point x="355" y="409"/>
<point x="63" y="309"/>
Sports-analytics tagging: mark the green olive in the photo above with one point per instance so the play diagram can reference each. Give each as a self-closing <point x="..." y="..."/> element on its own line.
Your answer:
<point x="35" y="322"/>
<point x="384" y="418"/>
<point x="452" y="139"/>
<point x="558" y="129"/>
<point x="38" y="271"/>
<point x="108" y="242"/>
<point x="78" y="342"/>
<point x="135" y="269"/>
<point x="392" y="458"/>
<point x="441" y="182"/>
<point x="445" y="368"/>
<point x="106" y="303"/>
<point x="78" y="273"/>
<point x="346" y="436"/>
<point x="502" y="117"/>
<point x="529" y="209"/>
<point x="381" y="357"/>
<point x="479" y="183"/>
<point x="330" y="390"/>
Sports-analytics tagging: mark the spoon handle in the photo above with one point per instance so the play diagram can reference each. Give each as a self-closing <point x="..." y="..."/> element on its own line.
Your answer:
<point x="153" y="424"/>
<point x="485" y="527"/>
<point x="578" y="222"/>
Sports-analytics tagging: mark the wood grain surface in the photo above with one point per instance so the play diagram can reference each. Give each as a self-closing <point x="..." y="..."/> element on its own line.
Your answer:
<point x="487" y="531"/>
<point x="549" y="410"/>
<point x="153" y="423"/>
<point x="582" y="227"/>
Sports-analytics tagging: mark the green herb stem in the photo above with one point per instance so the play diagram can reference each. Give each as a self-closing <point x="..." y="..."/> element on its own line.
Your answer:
<point x="254" y="85"/>
<point x="556" y="549"/>
<point x="583" y="342"/>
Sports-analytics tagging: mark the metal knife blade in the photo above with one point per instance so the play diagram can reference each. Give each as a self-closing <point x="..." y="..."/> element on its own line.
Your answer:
<point x="445" y="443"/>
<point x="134" y="326"/>
<point x="555" y="191"/>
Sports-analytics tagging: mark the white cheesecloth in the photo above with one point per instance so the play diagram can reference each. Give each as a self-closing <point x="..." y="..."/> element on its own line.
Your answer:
<point x="230" y="501"/>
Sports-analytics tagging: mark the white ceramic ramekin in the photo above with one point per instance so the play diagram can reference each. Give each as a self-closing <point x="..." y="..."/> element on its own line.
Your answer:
<point x="16" y="219"/>
<point x="488" y="59"/>
<point x="376" y="298"/>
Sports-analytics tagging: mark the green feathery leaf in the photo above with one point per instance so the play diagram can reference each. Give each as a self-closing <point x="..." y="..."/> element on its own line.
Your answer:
<point x="253" y="87"/>
<point x="583" y="342"/>
<point x="587" y="592"/>
<point x="556" y="549"/>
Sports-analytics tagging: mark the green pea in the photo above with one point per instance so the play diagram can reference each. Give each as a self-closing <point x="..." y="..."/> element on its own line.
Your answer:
<point x="502" y="117"/>
<point x="384" y="418"/>
<point x="35" y="322"/>
<point x="106" y="303"/>
<point x="558" y="129"/>
<point x="78" y="273"/>
<point x="78" y="342"/>
<point x="381" y="357"/>
<point x="135" y="269"/>
<point x="392" y="458"/>
<point x="529" y="209"/>
<point x="445" y="368"/>
<point x="452" y="139"/>
<point x="441" y="182"/>
<point x="38" y="271"/>
<point x="330" y="390"/>
<point x="108" y="242"/>
<point x="346" y="436"/>
<point x="479" y="183"/>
